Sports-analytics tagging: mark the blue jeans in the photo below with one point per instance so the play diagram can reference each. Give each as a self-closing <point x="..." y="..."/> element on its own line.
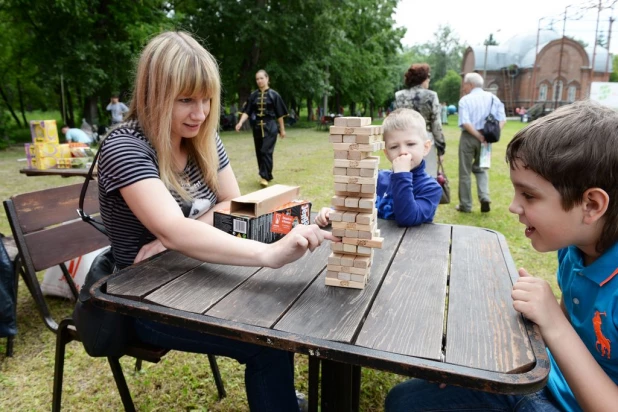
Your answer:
<point x="269" y="373"/>
<point x="420" y="395"/>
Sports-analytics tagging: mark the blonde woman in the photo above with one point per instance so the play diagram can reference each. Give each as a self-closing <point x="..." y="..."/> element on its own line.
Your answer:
<point x="161" y="175"/>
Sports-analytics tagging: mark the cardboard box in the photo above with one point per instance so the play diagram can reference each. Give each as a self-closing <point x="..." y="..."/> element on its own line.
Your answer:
<point x="44" y="131"/>
<point x="264" y="201"/>
<point x="266" y="228"/>
<point x="57" y="151"/>
<point x="43" y="163"/>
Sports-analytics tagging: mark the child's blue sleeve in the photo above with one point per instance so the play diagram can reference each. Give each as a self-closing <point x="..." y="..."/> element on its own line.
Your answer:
<point x="414" y="203"/>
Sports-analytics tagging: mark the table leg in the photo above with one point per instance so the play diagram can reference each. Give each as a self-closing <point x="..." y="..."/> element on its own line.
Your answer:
<point x="340" y="386"/>
<point x="314" y="382"/>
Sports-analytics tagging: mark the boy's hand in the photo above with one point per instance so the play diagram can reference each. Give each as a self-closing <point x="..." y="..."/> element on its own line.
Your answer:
<point x="404" y="163"/>
<point x="322" y="218"/>
<point x="534" y="299"/>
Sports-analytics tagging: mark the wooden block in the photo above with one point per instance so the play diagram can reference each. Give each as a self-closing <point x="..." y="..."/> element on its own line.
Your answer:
<point x="341" y="187"/>
<point x="362" y="250"/>
<point x="369" y="243"/>
<point x="354" y="155"/>
<point x="349" y="217"/>
<point x="376" y="233"/>
<point x="335" y="216"/>
<point x="335" y="138"/>
<point x="336" y="247"/>
<point x="338" y="201"/>
<point x="344" y="283"/>
<point x="351" y="233"/>
<point x="352" y="201"/>
<point x="348" y="269"/>
<point x="341" y="170"/>
<point x="370" y="162"/>
<point x="367" y="172"/>
<point x="353" y="209"/>
<point x="358" y="130"/>
<point x="364" y="218"/>
<point x="354" y="194"/>
<point x="362" y="262"/>
<point x="344" y="276"/>
<point x="362" y="234"/>
<point x="358" y="121"/>
<point x="347" y="260"/>
<point x="358" y="278"/>
<point x="349" y="138"/>
<point x="335" y="259"/>
<point x="338" y="233"/>
<point x="366" y="203"/>
<point x="331" y="274"/>
<point x="351" y="171"/>
<point x="368" y="188"/>
<point x="341" y="121"/>
<point x="352" y="226"/>
<point x="365" y="139"/>
<point x="371" y="147"/>
<point x="353" y="188"/>
<point x="349" y="248"/>
<point x="354" y="179"/>
<point x="341" y="154"/>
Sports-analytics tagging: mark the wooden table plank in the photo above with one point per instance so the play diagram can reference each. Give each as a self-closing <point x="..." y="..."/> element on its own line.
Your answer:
<point x="270" y="292"/>
<point x="480" y="287"/>
<point x="145" y="277"/>
<point x="335" y="313"/>
<point x="79" y="172"/>
<point x="199" y="289"/>
<point x="408" y="315"/>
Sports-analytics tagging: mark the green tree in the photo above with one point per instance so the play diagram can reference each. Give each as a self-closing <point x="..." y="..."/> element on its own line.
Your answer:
<point x="444" y="53"/>
<point x="449" y="87"/>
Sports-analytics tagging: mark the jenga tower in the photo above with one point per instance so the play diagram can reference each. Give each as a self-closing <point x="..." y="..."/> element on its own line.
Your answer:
<point x="354" y="217"/>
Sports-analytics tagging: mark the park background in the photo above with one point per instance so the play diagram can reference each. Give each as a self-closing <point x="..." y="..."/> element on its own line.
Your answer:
<point x="63" y="59"/>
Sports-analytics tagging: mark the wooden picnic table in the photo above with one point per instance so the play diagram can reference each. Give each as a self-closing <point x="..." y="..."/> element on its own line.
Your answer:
<point x="437" y="306"/>
<point x="81" y="172"/>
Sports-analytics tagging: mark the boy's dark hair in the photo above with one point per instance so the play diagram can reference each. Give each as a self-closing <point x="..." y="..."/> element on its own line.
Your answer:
<point x="575" y="148"/>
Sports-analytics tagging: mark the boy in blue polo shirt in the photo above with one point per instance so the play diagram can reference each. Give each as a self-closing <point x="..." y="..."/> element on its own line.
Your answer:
<point x="406" y="193"/>
<point x="564" y="169"/>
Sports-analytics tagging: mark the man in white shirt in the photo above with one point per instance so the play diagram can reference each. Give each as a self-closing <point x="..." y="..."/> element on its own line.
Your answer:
<point x="474" y="107"/>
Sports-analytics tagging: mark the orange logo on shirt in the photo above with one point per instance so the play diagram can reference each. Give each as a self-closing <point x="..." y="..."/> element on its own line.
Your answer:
<point x="603" y="344"/>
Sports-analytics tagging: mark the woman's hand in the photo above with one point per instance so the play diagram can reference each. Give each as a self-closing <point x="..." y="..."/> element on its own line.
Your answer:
<point x="282" y="133"/>
<point x="149" y="249"/>
<point x="322" y="218"/>
<point x="295" y="244"/>
<point x="238" y="126"/>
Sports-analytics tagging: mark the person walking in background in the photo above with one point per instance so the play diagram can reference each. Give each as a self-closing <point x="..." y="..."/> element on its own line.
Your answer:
<point x="117" y="109"/>
<point x="474" y="107"/>
<point x="269" y="110"/>
<point x="444" y="113"/>
<point x="417" y="96"/>
<point x="75" y="135"/>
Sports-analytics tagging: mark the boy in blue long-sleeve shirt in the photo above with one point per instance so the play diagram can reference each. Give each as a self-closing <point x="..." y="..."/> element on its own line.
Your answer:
<point x="406" y="194"/>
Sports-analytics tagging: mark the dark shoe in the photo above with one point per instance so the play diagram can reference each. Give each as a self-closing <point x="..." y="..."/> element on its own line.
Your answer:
<point x="485" y="207"/>
<point x="459" y="208"/>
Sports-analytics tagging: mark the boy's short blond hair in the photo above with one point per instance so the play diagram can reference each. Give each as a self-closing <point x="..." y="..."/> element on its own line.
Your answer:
<point x="575" y="148"/>
<point x="405" y="119"/>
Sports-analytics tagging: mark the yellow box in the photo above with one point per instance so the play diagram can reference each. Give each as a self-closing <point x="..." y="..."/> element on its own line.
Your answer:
<point x="63" y="163"/>
<point x="44" y="131"/>
<point x="43" y="163"/>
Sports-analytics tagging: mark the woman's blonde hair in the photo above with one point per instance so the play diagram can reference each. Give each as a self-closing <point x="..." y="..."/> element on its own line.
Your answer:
<point x="174" y="64"/>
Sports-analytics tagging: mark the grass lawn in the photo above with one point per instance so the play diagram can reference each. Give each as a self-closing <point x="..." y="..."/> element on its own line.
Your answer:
<point x="182" y="381"/>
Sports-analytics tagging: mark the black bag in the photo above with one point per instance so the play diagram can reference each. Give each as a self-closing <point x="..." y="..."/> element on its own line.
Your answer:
<point x="491" y="130"/>
<point x="8" y="325"/>
<point x="443" y="181"/>
<point x="103" y="333"/>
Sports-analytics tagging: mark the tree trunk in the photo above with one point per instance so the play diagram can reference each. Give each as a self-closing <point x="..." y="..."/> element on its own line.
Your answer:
<point x="309" y="109"/>
<point x="70" y="114"/>
<point x="353" y="109"/>
<point x="91" y="110"/>
<point x="8" y="105"/>
<point x="371" y="108"/>
<point x="20" y="95"/>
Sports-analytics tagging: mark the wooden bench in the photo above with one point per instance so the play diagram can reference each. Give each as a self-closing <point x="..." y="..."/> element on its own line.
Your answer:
<point x="49" y="232"/>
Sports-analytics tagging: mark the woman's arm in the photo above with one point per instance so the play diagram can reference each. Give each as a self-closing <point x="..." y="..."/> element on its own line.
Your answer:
<point x="155" y="207"/>
<point x="436" y="126"/>
<point x="228" y="190"/>
<point x="281" y="127"/>
<point x="243" y="118"/>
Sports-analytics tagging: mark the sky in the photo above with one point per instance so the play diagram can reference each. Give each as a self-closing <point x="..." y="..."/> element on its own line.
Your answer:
<point x="474" y="20"/>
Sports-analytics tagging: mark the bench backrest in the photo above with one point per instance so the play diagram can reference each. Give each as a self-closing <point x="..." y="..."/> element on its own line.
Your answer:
<point x="49" y="232"/>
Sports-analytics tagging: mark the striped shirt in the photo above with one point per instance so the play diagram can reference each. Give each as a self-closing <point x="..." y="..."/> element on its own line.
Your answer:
<point x="474" y="108"/>
<point x="126" y="158"/>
